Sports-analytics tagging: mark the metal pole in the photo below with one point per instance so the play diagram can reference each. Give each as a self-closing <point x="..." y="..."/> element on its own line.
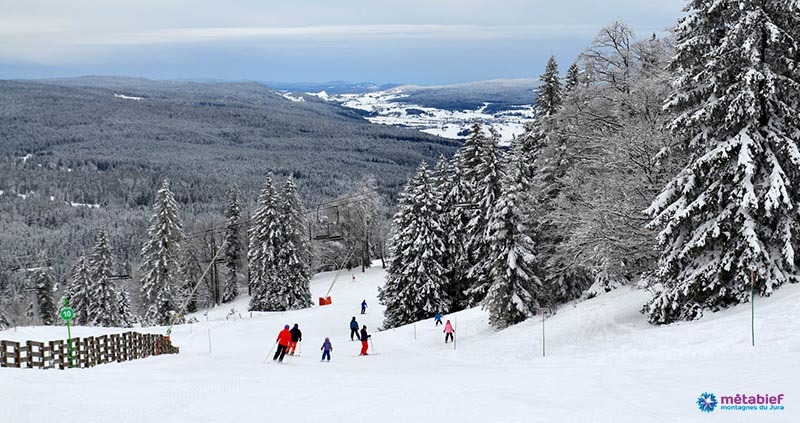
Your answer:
<point x="209" y="340"/>
<point x="69" y="345"/>
<point x="415" y="331"/>
<point x="753" y="308"/>
<point x="454" y="334"/>
<point x="543" y="351"/>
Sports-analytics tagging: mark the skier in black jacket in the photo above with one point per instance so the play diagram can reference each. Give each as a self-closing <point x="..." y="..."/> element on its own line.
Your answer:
<point x="297" y="336"/>
<point x="364" y="340"/>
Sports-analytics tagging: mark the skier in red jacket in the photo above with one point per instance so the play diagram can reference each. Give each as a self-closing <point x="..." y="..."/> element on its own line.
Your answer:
<point x="284" y="340"/>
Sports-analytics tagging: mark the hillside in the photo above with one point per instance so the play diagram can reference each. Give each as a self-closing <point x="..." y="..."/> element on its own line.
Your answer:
<point x="604" y="363"/>
<point x="78" y="154"/>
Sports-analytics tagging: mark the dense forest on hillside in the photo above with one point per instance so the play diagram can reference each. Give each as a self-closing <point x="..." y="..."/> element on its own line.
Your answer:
<point x="81" y="154"/>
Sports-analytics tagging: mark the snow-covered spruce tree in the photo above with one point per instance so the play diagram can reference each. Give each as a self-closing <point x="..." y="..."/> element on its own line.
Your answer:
<point x="456" y="216"/>
<point x="295" y="254"/>
<point x="233" y="246"/>
<point x="734" y="208"/>
<point x="161" y="254"/>
<point x="548" y="98"/>
<point x="126" y="318"/>
<point x="486" y="191"/>
<point x="268" y="285"/>
<point x="43" y="283"/>
<point x="572" y="80"/>
<point x="104" y="310"/>
<point x="416" y="286"/>
<point x="515" y="287"/>
<point x="79" y="291"/>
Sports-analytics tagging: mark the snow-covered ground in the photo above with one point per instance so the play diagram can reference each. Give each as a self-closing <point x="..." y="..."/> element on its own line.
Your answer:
<point x="604" y="364"/>
<point x="384" y="109"/>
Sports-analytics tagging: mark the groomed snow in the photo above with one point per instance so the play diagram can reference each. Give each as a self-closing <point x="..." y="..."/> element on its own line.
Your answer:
<point x="604" y="364"/>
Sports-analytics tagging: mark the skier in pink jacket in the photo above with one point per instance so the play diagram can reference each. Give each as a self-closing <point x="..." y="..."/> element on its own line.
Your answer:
<point x="448" y="332"/>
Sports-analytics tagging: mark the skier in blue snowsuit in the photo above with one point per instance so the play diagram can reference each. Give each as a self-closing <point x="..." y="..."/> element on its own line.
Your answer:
<point x="438" y="319"/>
<point x="363" y="306"/>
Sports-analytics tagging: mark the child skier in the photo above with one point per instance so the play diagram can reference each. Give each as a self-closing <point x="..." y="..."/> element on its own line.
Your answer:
<point x="363" y="306"/>
<point x="448" y="331"/>
<point x="438" y="319"/>
<point x="364" y="340"/>
<point x="284" y="339"/>
<point x="326" y="349"/>
<point x="353" y="328"/>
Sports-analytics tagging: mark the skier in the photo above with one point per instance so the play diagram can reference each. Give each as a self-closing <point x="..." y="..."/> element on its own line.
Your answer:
<point x="364" y="340"/>
<point x="326" y="349"/>
<point x="438" y="318"/>
<point x="297" y="336"/>
<point x="448" y="331"/>
<point x="284" y="339"/>
<point x="353" y="328"/>
<point x="363" y="306"/>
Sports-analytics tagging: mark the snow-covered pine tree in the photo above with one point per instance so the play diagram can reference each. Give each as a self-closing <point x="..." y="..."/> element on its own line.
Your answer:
<point x="734" y="208"/>
<point x="572" y="80"/>
<point x="548" y="98"/>
<point x="43" y="283"/>
<point x="79" y="291"/>
<point x="296" y="251"/>
<point x="458" y="214"/>
<point x="126" y="318"/>
<point x="104" y="310"/>
<point x="161" y="255"/>
<point x="515" y="289"/>
<point x="233" y="246"/>
<point x="266" y="240"/>
<point x="416" y="284"/>
<point x="486" y="190"/>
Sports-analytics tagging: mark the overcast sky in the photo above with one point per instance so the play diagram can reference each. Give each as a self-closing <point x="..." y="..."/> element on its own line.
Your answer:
<point x="409" y="41"/>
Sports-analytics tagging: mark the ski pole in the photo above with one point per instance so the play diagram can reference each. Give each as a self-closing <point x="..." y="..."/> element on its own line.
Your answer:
<point x="299" y="347"/>
<point x="270" y="351"/>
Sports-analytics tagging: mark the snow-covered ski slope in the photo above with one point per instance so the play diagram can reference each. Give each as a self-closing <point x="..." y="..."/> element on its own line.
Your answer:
<point x="604" y="364"/>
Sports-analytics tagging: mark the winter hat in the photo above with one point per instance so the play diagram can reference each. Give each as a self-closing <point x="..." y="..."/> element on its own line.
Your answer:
<point x="286" y="327"/>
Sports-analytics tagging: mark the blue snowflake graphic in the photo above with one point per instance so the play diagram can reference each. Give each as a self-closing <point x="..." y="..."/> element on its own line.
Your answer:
<point x="707" y="402"/>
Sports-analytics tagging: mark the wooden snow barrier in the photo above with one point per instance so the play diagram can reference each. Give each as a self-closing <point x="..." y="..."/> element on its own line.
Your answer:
<point x="86" y="352"/>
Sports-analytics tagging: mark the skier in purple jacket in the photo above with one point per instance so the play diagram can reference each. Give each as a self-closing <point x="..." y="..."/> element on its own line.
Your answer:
<point x="326" y="349"/>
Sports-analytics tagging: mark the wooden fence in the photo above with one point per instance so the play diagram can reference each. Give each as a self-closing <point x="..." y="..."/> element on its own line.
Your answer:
<point x="86" y="352"/>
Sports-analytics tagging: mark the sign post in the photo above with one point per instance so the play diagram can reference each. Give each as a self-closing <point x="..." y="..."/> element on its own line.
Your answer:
<point x="67" y="314"/>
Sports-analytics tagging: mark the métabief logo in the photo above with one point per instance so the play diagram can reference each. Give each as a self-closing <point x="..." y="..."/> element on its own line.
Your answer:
<point x="707" y="402"/>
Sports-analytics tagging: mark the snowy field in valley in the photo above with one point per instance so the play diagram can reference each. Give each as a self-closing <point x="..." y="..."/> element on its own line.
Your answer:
<point x="604" y="364"/>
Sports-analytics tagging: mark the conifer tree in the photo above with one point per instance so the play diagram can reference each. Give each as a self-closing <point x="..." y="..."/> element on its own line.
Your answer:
<point x="266" y="240"/>
<point x="43" y="283"/>
<point x="456" y="216"/>
<point x="515" y="288"/>
<point x="161" y="253"/>
<point x="79" y="291"/>
<point x="126" y="318"/>
<point x="733" y="209"/>
<point x="416" y="284"/>
<point x="296" y="251"/>
<point x="104" y="309"/>
<point x="488" y="176"/>
<point x="233" y="246"/>
<point x="548" y="100"/>
<point x="572" y="79"/>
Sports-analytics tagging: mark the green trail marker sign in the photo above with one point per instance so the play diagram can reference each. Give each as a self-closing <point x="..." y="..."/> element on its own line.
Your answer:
<point x="67" y="314"/>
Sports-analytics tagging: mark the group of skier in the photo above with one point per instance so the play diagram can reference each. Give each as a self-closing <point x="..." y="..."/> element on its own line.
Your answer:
<point x="289" y="339"/>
